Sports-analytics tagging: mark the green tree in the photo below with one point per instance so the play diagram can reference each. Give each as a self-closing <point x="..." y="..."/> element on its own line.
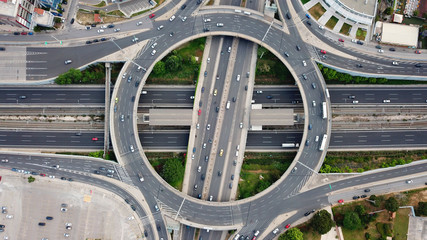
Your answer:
<point x="360" y="210"/>
<point x="352" y="221"/>
<point x="422" y="208"/>
<point x="322" y="222"/>
<point x="292" y="234"/>
<point x="159" y="68"/>
<point x="416" y="12"/>
<point x="97" y="154"/>
<point x="262" y="185"/>
<point x="425" y="15"/>
<point x="31" y="179"/>
<point x="388" y="11"/>
<point x="173" y="171"/>
<point x="173" y="63"/>
<point x="391" y="204"/>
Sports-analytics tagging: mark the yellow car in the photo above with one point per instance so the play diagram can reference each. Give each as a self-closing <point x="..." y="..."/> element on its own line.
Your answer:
<point x="221" y="152"/>
<point x="215" y="92"/>
<point x="117" y="100"/>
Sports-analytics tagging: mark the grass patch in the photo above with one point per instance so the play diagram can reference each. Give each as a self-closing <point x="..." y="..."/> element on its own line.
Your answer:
<point x="400" y="226"/>
<point x="210" y="3"/>
<point x="101" y="4"/>
<point x="361" y="34"/>
<point x="345" y="29"/>
<point x="116" y="13"/>
<point x="260" y="170"/>
<point x="270" y="70"/>
<point x="305" y="1"/>
<point x="158" y="159"/>
<point x="317" y="11"/>
<point x="332" y="22"/>
<point x="139" y="13"/>
<point x="340" y="162"/>
<point x="414" y="20"/>
<point x="190" y="54"/>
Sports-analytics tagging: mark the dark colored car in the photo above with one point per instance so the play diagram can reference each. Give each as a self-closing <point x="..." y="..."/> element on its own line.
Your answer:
<point x="378" y="47"/>
<point x="70" y="179"/>
<point x="42" y="224"/>
<point x="309" y="212"/>
<point x="133" y="98"/>
<point x="359" y="65"/>
<point x="183" y="6"/>
<point x="359" y="42"/>
<point x="34" y="173"/>
<point x="110" y="26"/>
<point x="367" y="190"/>
<point x="136" y="83"/>
<point x="16" y="33"/>
<point x="298" y="48"/>
<point x="206" y="30"/>
<point x="203" y="177"/>
<point x="95" y="40"/>
<point x="102" y="169"/>
<point x="392" y="49"/>
<point x="199" y="1"/>
<point x="199" y="197"/>
<point x="63" y="178"/>
<point x="49" y="218"/>
<point x="418" y="65"/>
<point x="93" y="25"/>
<point x="356" y="197"/>
<point x="133" y="207"/>
<point x="364" y="196"/>
<point x="72" y="20"/>
<point x="269" y="97"/>
<point x="127" y="201"/>
<point x="309" y="23"/>
<point x="158" y="227"/>
<point x="145" y="233"/>
<point x="288" y="16"/>
<point x="96" y="172"/>
<point x="103" y="39"/>
<point x="88" y="42"/>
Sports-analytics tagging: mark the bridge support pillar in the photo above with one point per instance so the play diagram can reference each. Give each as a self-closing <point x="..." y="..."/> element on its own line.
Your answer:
<point x="107" y="108"/>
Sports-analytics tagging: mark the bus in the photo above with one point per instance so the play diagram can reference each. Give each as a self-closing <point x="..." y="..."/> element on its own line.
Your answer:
<point x="290" y="145"/>
<point x="323" y="143"/>
<point x="325" y="113"/>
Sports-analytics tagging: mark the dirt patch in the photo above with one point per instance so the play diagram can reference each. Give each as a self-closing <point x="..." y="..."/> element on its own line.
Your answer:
<point x="257" y="171"/>
<point x="85" y="18"/>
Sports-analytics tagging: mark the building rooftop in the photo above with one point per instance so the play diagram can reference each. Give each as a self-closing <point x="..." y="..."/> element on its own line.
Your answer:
<point x="8" y="8"/>
<point x="399" y="34"/>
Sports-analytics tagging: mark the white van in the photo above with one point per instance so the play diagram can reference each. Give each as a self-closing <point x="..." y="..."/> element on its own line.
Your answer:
<point x="144" y="92"/>
<point x="228" y="105"/>
<point x="237" y="153"/>
<point x="238" y="78"/>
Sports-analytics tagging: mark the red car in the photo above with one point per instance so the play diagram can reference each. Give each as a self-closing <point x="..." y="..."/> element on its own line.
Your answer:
<point x="200" y="111"/>
<point x="341" y="40"/>
<point x="287" y="226"/>
<point x="418" y="52"/>
<point x="23" y="33"/>
<point x="340" y="201"/>
<point x="95" y="139"/>
<point x="323" y="51"/>
<point x="152" y="15"/>
<point x="42" y="174"/>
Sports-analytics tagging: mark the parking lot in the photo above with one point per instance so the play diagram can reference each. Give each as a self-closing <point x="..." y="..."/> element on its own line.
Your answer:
<point x="90" y="212"/>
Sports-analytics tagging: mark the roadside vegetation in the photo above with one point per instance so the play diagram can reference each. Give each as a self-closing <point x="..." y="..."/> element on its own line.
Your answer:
<point x="93" y="74"/>
<point x="270" y="70"/>
<point x="101" y="4"/>
<point x="170" y="166"/>
<point x="305" y="1"/>
<point x="375" y="219"/>
<point x="99" y="154"/>
<point x="347" y="162"/>
<point x="260" y="170"/>
<point x="332" y="76"/>
<point x="181" y="66"/>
